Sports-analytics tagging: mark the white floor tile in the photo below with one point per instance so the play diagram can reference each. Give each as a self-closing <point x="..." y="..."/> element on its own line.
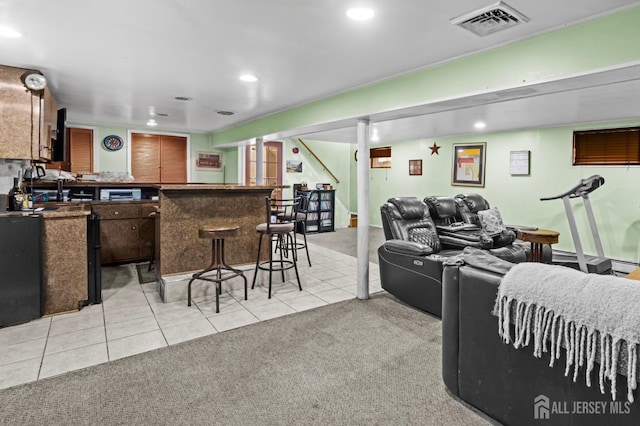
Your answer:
<point x="74" y="340"/>
<point x="138" y="320"/>
<point x="179" y="316"/>
<point x="132" y="327"/>
<point x="22" y="351"/>
<point x="19" y="372"/>
<point x="271" y="310"/>
<point x="335" y="295"/>
<point x="304" y="303"/>
<point x="112" y="316"/>
<point x="74" y="322"/>
<point x="13" y="335"/>
<point x="342" y="282"/>
<point x="136" y="344"/>
<point x="227" y="303"/>
<point x="189" y="330"/>
<point x="229" y="320"/>
<point x="74" y="359"/>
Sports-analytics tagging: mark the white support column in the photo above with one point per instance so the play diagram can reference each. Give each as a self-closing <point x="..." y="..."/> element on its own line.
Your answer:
<point x="259" y="162"/>
<point x="363" y="209"/>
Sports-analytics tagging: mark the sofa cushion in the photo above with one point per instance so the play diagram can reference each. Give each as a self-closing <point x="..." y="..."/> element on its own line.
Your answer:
<point x="491" y="220"/>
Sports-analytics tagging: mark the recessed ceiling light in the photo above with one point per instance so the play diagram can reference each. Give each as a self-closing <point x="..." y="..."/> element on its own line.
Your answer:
<point x="479" y="125"/>
<point x="225" y="112"/>
<point x="152" y="123"/>
<point x="360" y="13"/>
<point x="183" y="98"/>
<point x="9" y="33"/>
<point x="249" y="78"/>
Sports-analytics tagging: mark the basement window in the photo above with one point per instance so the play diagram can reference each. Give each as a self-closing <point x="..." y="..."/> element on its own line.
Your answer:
<point x="380" y="157"/>
<point x="607" y="147"/>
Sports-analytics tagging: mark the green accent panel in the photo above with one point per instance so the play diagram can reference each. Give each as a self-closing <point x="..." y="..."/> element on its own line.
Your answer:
<point x="336" y="157"/>
<point x="229" y="173"/>
<point x="600" y="43"/>
<point x="111" y="161"/>
<point x="518" y="197"/>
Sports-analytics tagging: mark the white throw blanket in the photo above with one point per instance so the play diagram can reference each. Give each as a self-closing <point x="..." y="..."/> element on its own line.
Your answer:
<point x="587" y="314"/>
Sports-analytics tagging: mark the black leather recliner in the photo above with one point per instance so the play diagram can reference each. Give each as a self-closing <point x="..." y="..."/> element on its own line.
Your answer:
<point x="411" y="260"/>
<point x="456" y="234"/>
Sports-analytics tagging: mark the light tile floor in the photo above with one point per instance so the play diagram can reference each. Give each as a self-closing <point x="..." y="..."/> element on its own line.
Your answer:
<point x="133" y="319"/>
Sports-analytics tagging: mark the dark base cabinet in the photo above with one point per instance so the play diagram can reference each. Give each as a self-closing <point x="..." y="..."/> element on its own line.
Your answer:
<point x="21" y="295"/>
<point x="126" y="231"/>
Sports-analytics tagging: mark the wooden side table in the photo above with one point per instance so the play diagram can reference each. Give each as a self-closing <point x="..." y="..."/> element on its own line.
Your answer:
<point x="538" y="238"/>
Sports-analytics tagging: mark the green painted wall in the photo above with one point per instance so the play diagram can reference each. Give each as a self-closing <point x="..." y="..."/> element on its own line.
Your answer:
<point x="616" y="205"/>
<point x="116" y="161"/>
<point x="601" y="43"/>
<point x="336" y="157"/>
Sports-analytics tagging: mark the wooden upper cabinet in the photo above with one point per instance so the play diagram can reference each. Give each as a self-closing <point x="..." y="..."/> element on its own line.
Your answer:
<point x="158" y="158"/>
<point x="19" y="115"/>
<point x="81" y="150"/>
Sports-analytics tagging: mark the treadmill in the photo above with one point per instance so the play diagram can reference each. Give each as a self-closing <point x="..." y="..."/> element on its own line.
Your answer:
<point x="588" y="264"/>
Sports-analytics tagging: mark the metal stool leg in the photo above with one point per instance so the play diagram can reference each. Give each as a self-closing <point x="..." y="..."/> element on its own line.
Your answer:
<point x="258" y="261"/>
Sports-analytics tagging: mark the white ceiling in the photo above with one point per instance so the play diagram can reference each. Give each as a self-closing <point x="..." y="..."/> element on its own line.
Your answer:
<point x="112" y="62"/>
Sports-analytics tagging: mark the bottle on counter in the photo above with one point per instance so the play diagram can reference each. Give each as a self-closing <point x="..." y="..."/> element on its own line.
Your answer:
<point x="16" y="196"/>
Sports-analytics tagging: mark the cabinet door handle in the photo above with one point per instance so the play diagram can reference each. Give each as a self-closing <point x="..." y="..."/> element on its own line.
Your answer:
<point x="133" y="228"/>
<point x="116" y="213"/>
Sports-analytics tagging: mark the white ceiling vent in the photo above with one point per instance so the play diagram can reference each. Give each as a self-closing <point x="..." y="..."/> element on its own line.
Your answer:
<point x="497" y="17"/>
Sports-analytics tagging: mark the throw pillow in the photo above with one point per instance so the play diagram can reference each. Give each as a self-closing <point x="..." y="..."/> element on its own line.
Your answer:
<point x="491" y="220"/>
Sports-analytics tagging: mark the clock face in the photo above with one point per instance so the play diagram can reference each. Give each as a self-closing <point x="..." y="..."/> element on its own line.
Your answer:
<point x="113" y="142"/>
<point x="35" y="81"/>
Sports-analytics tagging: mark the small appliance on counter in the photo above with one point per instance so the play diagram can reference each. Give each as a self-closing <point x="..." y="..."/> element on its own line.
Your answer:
<point x="120" y="194"/>
<point x="34" y="173"/>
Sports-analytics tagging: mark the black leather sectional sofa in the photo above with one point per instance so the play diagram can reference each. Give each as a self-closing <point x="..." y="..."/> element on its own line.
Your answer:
<point x="511" y="385"/>
<point x="411" y="260"/>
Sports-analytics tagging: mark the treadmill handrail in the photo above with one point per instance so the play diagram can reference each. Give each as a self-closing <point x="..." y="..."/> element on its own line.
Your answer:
<point x="582" y="189"/>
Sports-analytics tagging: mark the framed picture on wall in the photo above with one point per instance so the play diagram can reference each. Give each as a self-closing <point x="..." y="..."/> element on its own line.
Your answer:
<point x="469" y="164"/>
<point x="415" y="167"/>
<point x="209" y="161"/>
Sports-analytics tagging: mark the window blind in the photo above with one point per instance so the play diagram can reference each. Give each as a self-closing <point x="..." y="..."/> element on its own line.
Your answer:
<point x="607" y="147"/>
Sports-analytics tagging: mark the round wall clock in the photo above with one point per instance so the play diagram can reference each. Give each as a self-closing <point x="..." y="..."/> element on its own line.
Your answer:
<point x="113" y="142"/>
<point x="35" y="81"/>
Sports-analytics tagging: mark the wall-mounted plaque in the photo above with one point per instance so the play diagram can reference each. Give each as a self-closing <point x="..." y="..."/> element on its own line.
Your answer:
<point x="519" y="162"/>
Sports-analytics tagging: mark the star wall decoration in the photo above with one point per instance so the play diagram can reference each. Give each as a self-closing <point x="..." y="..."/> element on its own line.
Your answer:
<point x="434" y="149"/>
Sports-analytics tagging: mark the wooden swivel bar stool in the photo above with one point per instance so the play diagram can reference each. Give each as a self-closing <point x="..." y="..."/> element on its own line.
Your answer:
<point x="217" y="234"/>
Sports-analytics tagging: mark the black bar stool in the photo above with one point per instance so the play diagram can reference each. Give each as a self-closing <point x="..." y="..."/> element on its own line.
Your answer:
<point x="278" y="228"/>
<point x="300" y="219"/>
<point x="217" y="234"/>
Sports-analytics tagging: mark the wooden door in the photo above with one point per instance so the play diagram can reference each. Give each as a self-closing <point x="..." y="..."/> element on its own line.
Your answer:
<point x="145" y="157"/>
<point x="158" y="158"/>
<point x="81" y="150"/>
<point x="173" y="159"/>
<point x="272" y="165"/>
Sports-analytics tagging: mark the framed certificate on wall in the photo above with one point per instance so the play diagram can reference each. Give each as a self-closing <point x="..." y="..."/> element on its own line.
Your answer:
<point x="519" y="162"/>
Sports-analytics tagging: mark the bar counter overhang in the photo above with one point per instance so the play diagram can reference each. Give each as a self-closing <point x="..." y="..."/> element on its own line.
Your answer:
<point x="184" y="208"/>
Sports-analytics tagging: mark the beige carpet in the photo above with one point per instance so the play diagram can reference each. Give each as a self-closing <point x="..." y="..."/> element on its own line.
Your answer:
<point x="374" y="362"/>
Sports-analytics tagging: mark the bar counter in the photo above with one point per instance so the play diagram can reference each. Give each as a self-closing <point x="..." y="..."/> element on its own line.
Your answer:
<point x="183" y="208"/>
